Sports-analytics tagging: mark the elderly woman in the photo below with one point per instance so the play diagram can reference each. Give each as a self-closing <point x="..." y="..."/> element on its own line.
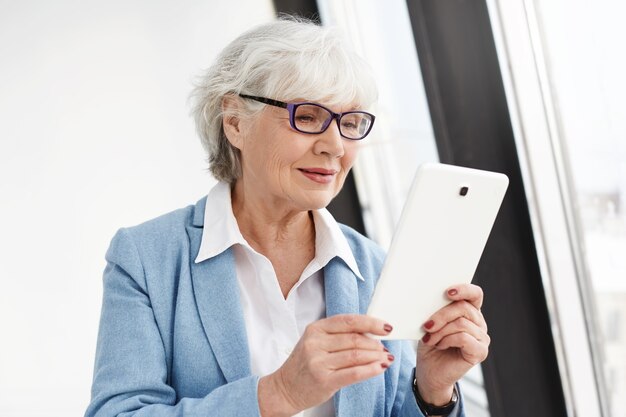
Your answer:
<point x="251" y="301"/>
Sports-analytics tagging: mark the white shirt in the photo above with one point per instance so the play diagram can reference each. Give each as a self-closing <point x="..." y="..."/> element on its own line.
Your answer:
<point x="274" y="324"/>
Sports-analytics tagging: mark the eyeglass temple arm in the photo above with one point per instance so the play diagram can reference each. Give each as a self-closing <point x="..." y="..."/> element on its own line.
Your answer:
<point x="265" y="100"/>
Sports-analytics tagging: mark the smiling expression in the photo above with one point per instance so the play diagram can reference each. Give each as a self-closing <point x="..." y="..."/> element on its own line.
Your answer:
<point x="285" y="167"/>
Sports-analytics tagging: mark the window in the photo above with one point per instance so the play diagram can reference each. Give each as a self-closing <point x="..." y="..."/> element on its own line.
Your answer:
<point x="566" y="87"/>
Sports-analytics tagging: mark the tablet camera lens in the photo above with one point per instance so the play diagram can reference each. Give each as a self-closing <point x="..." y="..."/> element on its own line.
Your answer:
<point x="463" y="191"/>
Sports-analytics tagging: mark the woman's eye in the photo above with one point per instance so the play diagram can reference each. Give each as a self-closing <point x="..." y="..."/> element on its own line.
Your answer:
<point x="306" y="118"/>
<point x="351" y="123"/>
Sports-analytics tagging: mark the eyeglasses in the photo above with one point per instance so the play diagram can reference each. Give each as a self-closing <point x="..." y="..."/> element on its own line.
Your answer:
<point x="312" y="118"/>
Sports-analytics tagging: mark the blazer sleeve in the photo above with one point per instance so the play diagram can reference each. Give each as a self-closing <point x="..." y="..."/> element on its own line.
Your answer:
<point x="131" y="370"/>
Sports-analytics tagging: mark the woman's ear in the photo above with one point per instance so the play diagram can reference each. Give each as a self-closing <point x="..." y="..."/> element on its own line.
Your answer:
<point x="231" y="122"/>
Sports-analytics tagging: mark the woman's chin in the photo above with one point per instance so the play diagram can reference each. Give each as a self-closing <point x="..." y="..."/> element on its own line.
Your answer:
<point x="316" y="200"/>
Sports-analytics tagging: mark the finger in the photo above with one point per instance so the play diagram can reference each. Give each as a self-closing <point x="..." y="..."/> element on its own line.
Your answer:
<point x="472" y="350"/>
<point x="335" y="342"/>
<point x="452" y="312"/>
<point x="348" y="376"/>
<point x="356" y="357"/>
<point x="457" y="326"/>
<point x="354" y="323"/>
<point x="469" y="292"/>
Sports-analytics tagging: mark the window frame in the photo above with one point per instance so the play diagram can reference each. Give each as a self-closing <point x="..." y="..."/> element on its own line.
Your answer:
<point x="549" y="188"/>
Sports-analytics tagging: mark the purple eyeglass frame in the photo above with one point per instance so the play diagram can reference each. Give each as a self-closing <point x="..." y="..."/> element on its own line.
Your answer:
<point x="291" y="107"/>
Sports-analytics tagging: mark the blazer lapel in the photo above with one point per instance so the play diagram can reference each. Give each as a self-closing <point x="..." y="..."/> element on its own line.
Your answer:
<point x="340" y="284"/>
<point x="342" y="297"/>
<point x="216" y="293"/>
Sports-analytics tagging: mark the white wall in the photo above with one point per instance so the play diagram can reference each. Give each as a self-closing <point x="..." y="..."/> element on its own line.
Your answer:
<point x="94" y="135"/>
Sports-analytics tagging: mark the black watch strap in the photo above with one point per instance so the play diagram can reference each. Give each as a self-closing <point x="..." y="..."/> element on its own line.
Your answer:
<point x="432" y="410"/>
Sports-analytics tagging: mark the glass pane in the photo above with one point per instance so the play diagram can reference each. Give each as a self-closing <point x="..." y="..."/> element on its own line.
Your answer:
<point x="583" y="44"/>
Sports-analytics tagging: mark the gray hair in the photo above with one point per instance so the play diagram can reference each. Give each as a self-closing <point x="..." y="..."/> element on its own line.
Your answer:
<point x="287" y="59"/>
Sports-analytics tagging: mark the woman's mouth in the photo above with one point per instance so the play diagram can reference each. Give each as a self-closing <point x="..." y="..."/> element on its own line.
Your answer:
<point x="319" y="175"/>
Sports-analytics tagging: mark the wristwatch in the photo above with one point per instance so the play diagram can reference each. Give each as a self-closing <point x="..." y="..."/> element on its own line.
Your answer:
<point x="433" y="410"/>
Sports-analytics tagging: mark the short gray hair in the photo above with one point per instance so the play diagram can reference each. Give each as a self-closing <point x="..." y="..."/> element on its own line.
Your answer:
<point x="287" y="59"/>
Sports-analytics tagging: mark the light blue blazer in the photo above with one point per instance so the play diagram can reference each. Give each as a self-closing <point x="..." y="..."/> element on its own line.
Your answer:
<point x="172" y="338"/>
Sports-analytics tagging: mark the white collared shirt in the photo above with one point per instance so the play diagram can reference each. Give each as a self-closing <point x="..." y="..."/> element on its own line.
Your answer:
<point x="274" y="324"/>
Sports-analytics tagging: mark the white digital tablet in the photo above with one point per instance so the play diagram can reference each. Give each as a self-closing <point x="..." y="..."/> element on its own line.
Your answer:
<point x="438" y="242"/>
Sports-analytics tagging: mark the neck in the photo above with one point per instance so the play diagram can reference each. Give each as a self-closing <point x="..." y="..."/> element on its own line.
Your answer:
<point x="269" y="225"/>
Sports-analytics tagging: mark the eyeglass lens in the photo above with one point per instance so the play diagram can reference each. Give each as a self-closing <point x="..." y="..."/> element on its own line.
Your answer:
<point x="310" y="118"/>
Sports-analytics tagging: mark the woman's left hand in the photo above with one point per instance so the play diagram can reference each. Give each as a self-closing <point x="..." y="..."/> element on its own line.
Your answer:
<point x="456" y="339"/>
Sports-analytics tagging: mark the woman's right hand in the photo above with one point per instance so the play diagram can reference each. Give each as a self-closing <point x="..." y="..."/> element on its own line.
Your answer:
<point x="331" y="354"/>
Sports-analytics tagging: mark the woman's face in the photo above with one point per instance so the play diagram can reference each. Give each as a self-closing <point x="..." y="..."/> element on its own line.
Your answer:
<point x="283" y="166"/>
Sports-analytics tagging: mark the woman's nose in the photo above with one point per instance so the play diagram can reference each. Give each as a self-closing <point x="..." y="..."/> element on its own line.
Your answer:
<point x="330" y="141"/>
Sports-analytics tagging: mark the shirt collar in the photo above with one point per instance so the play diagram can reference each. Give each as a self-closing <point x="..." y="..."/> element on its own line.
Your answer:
<point x="330" y="242"/>
<point x="221" y="231"/>
<point x="220" y="226"/>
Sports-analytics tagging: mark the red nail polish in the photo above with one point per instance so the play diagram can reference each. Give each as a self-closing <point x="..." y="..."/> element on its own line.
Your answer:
<point x="429" y="324"/>
<point x="384" y="365"/>
<point x="426" y="338"/>
<point x="388" y="327"/>
<point x="385" y="349"/>
<point x="390" y="357"/>
<point x="452" y="292"/>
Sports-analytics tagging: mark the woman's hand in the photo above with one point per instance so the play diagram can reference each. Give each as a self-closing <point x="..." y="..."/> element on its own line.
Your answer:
<point x="456" y="339"/>
<point x="332" y="353"/>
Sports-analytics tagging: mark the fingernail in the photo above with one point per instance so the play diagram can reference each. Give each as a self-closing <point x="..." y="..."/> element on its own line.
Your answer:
<point x="385" y="349"/>
<point x="452" y="292"/>
<point x="390" y="357"/>
<point x="426" y="338"/>
<point x="384" y="365"/>
<point x="429" y="324"/>
<point x="388" y="327"/>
